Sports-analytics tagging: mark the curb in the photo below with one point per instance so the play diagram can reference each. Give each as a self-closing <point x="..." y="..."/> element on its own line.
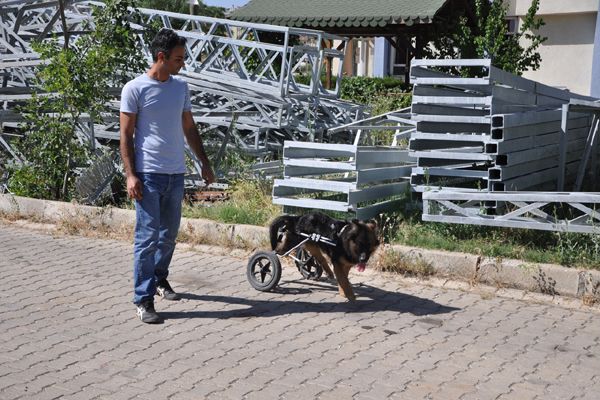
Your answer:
<point x="548" y="279"/>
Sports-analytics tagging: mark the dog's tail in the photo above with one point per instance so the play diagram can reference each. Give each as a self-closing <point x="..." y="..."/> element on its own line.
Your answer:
<point x="281" y="229"/>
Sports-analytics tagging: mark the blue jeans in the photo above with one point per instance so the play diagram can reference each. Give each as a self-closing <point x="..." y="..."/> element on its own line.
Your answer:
<point x="158" y="215"/>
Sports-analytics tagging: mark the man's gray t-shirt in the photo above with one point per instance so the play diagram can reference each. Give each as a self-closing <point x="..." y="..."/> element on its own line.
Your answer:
<point x="159" y="138"/>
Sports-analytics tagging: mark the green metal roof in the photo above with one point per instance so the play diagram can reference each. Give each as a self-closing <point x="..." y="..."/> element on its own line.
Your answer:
<point x="338" y="13"/>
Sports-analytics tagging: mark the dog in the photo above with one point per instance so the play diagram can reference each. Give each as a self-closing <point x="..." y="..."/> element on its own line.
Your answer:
<point x="354" y="240"/>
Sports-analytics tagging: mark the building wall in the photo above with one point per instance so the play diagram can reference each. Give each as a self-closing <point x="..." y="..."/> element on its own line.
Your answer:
<point x="567" y="55"/>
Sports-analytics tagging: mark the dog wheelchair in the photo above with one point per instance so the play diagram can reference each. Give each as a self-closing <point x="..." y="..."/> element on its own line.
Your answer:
<point x="264" y="268"/>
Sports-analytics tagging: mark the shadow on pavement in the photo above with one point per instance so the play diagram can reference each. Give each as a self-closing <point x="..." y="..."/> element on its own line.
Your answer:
<point x="369" y="299"/>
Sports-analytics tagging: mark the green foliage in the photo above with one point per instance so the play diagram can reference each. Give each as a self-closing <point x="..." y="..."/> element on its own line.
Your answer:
<point x="74" y="80"/>
<point x="482" y="32"/>
<point x="183" y="7"/>
<point x="362" y="89"/>
<point x="250" y="203"/>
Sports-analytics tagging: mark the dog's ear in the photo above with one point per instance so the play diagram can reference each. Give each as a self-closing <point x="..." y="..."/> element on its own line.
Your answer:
<point x="372" y="224"/>
<point x="355" y="221"/>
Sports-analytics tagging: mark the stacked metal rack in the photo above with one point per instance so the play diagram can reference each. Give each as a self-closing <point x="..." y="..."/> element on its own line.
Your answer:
<point x="481" y="128"/>
<point x="363" y="180"/>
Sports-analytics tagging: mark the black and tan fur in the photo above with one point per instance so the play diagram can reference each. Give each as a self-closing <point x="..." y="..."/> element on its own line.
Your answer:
<point x="355" y="242"/>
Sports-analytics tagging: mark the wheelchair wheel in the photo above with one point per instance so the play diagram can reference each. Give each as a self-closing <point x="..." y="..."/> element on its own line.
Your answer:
<point x="264" y="271"/>
<point x="308" y="265"/>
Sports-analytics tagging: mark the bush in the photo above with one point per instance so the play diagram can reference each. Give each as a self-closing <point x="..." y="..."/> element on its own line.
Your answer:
<point x="363" y="89"/>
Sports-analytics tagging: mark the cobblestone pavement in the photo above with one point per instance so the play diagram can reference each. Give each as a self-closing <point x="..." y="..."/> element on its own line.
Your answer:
<point x="69" y="330"/>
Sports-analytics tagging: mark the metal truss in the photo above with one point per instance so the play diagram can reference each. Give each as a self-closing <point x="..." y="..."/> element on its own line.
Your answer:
<point x="236" y="70"/>
<point x="399" y="121"/>
<point x="550" y="211"/>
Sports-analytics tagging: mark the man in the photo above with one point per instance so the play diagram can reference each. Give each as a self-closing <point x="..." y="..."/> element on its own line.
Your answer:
<point x="155" y="116"/>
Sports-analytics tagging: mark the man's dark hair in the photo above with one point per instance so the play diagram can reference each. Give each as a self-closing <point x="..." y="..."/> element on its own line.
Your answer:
<point x="165" y="40"/>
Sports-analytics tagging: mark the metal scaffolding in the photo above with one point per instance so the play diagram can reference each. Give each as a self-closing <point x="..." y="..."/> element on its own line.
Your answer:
<point x="233" y="67"/>
<point x="244" y="78"/>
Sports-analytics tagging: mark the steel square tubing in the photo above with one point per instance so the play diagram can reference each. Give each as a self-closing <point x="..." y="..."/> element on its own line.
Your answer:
<point x="537" y="153"/>
<point x="377" y="192"/>
<point x="460" y="62"/>
<point x="512" y="171"/>
<point x="373" y="210"/>
<point x="530" y="142"/>
<point x="313" y="203"/>
<point x="450" y="171"/>
<point x="316" y="184"/>
<point x="365" y="176"/>
<point x="311" y="150"/>
<point x="435" y="91"/>
<point x="552" y="92"/>
<point x="499" y="96"/>
<point x="453" y="100"/>
<point x="313" y="170"/>
<point x="528" y="118"/>
<point x="424" y="76"/>
<point x="295" y="192"/>
<point x="465" y="154"/>
<point x="435" y="110"/>
<point x="499" y="134"/>
<point x="445" y="181"/>
<point x="451" y="119"/>
<point x="434" y="144"/>
<point x="447" y="127"/>
<point x="452" y="137"/>
<point x="321" y="164"/>
<point x="536" y="178"/>
<point x="499" y="76"/>
<point x="374" y="156"/>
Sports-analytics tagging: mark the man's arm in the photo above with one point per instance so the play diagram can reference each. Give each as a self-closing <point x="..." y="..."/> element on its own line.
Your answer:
<point x="134" y="185"/>
<point x="195" y="142"/>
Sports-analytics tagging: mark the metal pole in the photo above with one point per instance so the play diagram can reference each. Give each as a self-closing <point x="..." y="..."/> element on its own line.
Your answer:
<point x="595" y="85"/>
<point x="562" y="156"/>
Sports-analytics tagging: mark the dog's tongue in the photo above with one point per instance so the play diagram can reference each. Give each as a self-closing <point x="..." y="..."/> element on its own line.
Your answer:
<point x="361" y="267"/>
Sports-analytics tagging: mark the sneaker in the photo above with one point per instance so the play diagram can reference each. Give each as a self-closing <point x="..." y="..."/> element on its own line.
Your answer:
<point x="147" y="313"/>
<point x="164" y="290"/>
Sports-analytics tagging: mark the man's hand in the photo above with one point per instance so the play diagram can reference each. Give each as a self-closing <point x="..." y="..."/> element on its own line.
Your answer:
<point x="134" y="187"/>
<point x="208" y="175"/>
<point x="195" y="142"/>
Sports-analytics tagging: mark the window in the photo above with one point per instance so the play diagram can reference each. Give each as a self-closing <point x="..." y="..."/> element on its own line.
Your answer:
<point x="512" y="25"/>
<point x="397" y="62"/>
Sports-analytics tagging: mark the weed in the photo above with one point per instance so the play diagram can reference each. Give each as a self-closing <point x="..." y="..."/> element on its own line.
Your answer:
<point x="190" y="236"/>
<point x="592" y="291"/>
<point x="391" y="260"/>
<point x="546" y="284"/>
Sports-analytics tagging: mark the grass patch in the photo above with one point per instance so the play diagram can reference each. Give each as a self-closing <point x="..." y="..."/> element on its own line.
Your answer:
<point x="249" y="203"/>
<point x="391" y="260"/>
<point x="568" y="249"/>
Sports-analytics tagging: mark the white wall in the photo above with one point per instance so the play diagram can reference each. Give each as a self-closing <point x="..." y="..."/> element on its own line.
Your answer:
<point x="567" y="54"/>
<point x="547" y="7"/>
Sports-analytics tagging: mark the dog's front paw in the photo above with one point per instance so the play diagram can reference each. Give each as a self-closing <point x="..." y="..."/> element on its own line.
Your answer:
<point x="349" y="296"/>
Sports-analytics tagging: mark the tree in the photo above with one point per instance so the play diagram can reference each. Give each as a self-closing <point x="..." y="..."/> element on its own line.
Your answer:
<point x="75" y="79"/>
<point x="480" y="30"/>
<point x="183" y="7"/>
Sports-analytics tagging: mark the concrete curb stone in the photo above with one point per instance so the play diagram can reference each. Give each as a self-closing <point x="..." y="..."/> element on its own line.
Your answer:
<point x="547" y="279"/>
